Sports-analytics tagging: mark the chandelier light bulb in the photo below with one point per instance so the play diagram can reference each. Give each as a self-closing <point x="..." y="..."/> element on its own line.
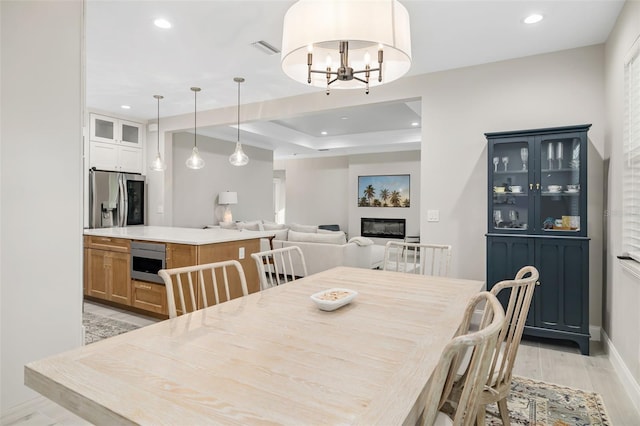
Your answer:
<point x="367" y="58"/>
<point x="328" y="61"/>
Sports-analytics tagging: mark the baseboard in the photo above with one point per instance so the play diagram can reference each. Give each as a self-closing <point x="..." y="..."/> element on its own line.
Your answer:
<point x="84" y="330"/>
<point x="628" y="382"/>
<point x="595" y="332"/>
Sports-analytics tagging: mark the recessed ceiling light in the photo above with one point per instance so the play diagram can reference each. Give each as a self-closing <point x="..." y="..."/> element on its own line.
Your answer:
<point x="162" y="23"/>
<point x="344" y="118"/>
<point x="125" y="107"/>
<point x="415" y="123"/>
<point x="323" y="133"/>
<point x="533" y="18"/>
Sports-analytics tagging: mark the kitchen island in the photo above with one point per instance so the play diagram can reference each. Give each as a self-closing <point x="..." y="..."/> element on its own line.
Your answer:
<point x="115" y="275"/>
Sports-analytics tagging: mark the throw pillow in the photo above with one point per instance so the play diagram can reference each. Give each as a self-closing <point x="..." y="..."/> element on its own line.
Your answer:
<point x="281" y="234"/>
<point x="361" y="241"/>
<point x="304" y="228"/>
<point x="250" y="226"/>
<point x="310" y="237"/>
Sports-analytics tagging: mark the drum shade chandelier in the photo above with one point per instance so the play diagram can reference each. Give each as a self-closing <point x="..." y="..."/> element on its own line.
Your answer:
<point x="158" y="165"/>
<point x="238" y="158"/>
<point x="330" y="43"/>
<point x="195" y="161"/>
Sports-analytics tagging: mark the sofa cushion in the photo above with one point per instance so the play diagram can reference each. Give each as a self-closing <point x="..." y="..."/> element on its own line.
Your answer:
<point x="250" y="226"/>
<point x="304" y="228"/>
<point x="332" y="238"/>
<point x="268" y="226"/>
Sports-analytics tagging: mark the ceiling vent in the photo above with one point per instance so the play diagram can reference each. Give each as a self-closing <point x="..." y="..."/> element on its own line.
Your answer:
<point x="265" y="47"/>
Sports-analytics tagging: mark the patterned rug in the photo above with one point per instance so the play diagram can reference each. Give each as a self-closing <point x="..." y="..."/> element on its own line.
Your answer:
<point x="98" y="327"/>
<point x="534" y="403"/>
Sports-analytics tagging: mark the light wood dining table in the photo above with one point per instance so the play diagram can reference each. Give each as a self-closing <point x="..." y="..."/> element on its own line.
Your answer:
<point x="271" y="358"/>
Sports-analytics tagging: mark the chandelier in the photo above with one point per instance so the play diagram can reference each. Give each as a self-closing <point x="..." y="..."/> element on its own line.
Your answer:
<point x="330" y="43"/>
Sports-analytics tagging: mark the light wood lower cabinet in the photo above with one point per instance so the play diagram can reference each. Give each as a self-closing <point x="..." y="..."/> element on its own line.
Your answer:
<point x="108" y="269"/>
<point x="107" y="273"/>
<point x="149" y="297"/>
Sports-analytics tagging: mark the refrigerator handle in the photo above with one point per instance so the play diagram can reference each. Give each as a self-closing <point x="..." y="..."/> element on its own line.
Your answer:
<point x="125" y="192"/>
<point x="121" y="202"/>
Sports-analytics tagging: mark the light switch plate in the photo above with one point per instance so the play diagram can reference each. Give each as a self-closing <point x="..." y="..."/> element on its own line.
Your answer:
<point x="241" y="253"/>
<point x="433" y="215"/>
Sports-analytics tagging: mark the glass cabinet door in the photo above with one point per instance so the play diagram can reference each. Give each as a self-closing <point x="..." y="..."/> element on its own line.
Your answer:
<point x="559" y="184"/>
<point x="509" y="171"/>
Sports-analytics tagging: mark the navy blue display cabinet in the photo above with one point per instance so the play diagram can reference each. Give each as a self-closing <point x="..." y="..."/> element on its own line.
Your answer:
<point x="537" y="215"/>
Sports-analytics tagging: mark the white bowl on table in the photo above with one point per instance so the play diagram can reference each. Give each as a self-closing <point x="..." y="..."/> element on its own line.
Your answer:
<point x="333" y="298"/>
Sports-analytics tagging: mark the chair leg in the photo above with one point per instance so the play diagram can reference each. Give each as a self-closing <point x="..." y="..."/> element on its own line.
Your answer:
<point x="504" y="411"/>
<point x="480" y="415"/>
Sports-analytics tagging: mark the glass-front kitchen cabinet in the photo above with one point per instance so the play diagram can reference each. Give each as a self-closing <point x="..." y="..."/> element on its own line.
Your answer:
<point x="537" y="204"/>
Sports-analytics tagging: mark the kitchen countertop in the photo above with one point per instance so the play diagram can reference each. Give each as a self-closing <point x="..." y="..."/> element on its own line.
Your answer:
<point x="169" y="234"/>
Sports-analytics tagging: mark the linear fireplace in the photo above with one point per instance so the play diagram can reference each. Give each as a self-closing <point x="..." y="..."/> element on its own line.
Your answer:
<point x="382" y="228"/>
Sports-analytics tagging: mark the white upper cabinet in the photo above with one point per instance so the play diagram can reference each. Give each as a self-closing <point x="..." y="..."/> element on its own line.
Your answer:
<point x="116" y="144"/>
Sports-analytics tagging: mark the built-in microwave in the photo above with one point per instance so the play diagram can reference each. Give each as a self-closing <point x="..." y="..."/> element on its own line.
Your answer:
<point x="146" y="260"/>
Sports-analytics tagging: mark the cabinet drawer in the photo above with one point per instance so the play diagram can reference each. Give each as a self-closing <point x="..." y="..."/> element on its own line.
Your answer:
<point x="107" y="243"/>
<point x="150" y="297"/>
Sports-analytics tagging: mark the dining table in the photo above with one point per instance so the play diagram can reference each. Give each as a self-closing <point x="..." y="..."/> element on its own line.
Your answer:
<point x="271" y="357"/>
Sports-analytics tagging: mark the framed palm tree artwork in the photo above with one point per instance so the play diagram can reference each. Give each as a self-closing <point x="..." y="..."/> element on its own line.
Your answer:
<point x="384" y="191"/>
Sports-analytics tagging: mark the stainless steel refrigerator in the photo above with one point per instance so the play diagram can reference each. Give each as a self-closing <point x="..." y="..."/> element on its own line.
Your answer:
<point x="116" y="199"/>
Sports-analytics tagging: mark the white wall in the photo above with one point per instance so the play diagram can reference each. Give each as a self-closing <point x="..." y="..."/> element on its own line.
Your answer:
<point x="325" y="190"/>
<point x="316" y="191"/>
<point x="622" y="290"/>
<point x="389" y="163"/>
<point x="195" y="192"/>
<point x="41" y="203"/>
<point x="458" y="107"/>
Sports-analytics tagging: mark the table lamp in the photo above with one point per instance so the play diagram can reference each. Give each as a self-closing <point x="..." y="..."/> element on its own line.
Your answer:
<point x="227" y="198"/>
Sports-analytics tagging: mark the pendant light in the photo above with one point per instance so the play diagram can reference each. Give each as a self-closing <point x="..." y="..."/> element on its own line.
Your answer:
<point x="195" y="161"/>
<point x="238" y="158"/>
<point x="158" y="165"/>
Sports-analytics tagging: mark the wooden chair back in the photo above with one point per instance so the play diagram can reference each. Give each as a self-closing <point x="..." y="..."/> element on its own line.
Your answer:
<point x="481" y="343"/>
<point x="280" y="266"/>
<point x="516" y="296"/>
<point x="192" y="286"/>
<point x="417" y="258"/>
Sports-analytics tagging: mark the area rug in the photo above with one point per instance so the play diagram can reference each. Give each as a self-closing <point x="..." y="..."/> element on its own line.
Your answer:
<point x="534" y="403"/>
<point x="98" y="327"/>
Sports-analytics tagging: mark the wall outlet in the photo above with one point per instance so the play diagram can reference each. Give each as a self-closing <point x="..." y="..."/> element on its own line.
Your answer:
<point x="241" y="253"/>
<point x="160" y="209"/>
<point x="433" y="215"/>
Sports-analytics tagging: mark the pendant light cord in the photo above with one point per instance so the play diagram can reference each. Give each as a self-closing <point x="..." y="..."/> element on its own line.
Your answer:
<point x="195" y="126"/>
<point x="159" y="97"/>
<point x="239" y="111"/>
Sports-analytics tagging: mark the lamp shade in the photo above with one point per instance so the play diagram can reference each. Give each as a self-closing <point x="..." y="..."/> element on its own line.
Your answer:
<point x="320" y="25"/>
<point x="228" y="197"/>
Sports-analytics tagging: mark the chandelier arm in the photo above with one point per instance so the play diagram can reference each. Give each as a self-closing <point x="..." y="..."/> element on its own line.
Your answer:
<point x="325" y="72"/>
<point x="359" y="79"/>
<point x="335" y="79"/>
<point x="370" y="70"/>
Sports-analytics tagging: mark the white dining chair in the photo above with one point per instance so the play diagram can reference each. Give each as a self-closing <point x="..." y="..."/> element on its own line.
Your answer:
<point x="417" y="258"/>
<point x="191" y="286"/>
<point x="279" y="266"/>
<point x="516" y="295"/>
<point x="440" y="409"/>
